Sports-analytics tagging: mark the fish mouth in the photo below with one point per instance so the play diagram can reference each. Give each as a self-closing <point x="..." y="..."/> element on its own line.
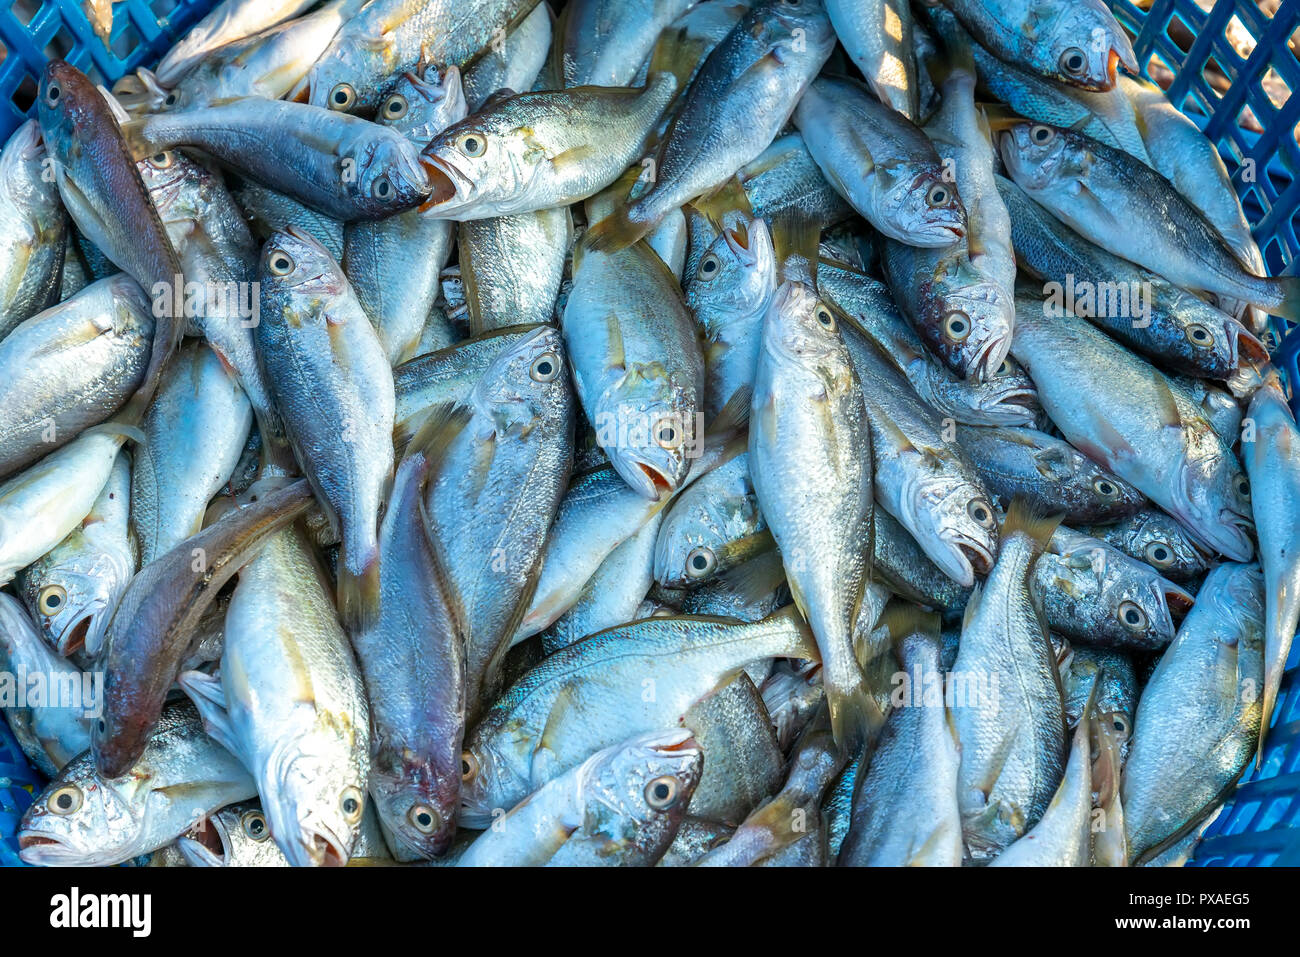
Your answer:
<point x="1176" y="601"/>
<point x="206" y="846"/>
<point x="989" y="358"/>
<point x="36" y="848"/>
<point x="1016" y="400"/>
<point x="74" y="636"/>
<point x="317" y="846"/>
<point x="441" y="177"/>
<point x="1249" y="358"/>
<point x="962" y="560"/>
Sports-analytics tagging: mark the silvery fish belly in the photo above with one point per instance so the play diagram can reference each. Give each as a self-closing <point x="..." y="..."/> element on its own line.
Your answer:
<point x="604" y="42"/>
<point x="513" y="64"/>
<point x="34" y="233"/>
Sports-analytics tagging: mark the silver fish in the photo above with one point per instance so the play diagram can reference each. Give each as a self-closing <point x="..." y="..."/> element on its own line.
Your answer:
<point x="34" y="237"/>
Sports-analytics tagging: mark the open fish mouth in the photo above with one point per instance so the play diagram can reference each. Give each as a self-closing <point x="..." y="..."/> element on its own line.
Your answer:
<point x="990" y="358"/>
<point x="317" y="846"/>
<point x="441" y="177"/>
<point x="73" y="638"/>
<point x="207" y="845"/>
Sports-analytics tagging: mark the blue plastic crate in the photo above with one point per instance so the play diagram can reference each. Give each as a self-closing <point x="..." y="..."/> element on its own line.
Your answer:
<point x="17" y="783"/>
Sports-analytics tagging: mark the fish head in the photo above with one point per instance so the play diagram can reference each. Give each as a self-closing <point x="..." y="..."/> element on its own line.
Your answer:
<point x="1160" y="541"/>
<point x="21" y="166"/>
<point x="800" y="327"/>
<point x="417" y="806"/>
<point x="1040" y="157"/>
<point x="421" y="105"/>
<point x="484" y="777"/>
<point x="1081" y="44"/>
<point x="736" y="276"/>
<point x="82" y="818"/>
<point x="973" y="319"/>
<point x="478" y="166"/>
<point x="236" y="836"/>
<point x="1214" y="500"/>
<point x="295" y="264"/>
<point x="526" y="383"/>
<point x="337" y="80"/>
<point x="924" y="204"/>
<point x="71" y="111"/>
<point x="388" y="175"/>
<point x="72" y="600"/>
<point x="1119" y="598"/>
<point x="634" y="796"/>
<point x="694" y="542"/>
<point x="646" y="421"/>
<point x="956" y="525"/>
<point x="817" y="36"/>
<point x="314" y="798"/>
<point x="1008" y="391"/>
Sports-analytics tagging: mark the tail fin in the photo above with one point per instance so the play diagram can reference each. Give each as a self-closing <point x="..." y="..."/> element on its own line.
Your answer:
<point x="358" y="590"/>
<point x="722" y="205"/>
<point x="1021" y="518"/>
<point x="616" y="231"/>
<point x="903" y="620"/>
<point x="856" y="718"/>
<point x="795" y="236"/>
<point x="679" y="53"/>
<point x="1290" y="305"/>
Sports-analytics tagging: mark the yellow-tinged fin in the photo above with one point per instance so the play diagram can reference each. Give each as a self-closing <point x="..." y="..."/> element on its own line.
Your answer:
<point x="795" y="236"/>
<point x="358" y="592"/>
<point x="903" y="619"/>
<point x="1022" y="519"/>
<point x="1290" y="306"/>
<point x="679" y="53"/>
<point x="957" y="59"/>
<point x="856" y="718"/>
<point x="118" y="427"/>
<point x="615" y="232"/>
<point x="755" y="579"/>
<point x="722" y="205"/>
<point x="135" y="134"/>
<point x="1001" y="117"/>
<point x="734" y="416"/>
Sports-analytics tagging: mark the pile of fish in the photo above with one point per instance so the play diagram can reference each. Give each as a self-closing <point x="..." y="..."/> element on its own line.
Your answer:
<point x="787" y="432"/>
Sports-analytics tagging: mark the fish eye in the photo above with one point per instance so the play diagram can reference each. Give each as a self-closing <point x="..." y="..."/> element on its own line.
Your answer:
<point x="101" y="726"/>
<point x="1121" y="726"/>
<point x="956" y="326"/>
<point x="700" y="562"/>
<point x="1243" y="488"/>
<point x="1131" y="616"/>
<point x="545" y="367"/>
<point x="667" y="435"/>
<point x="162" y="160"/>
<point x="1041" y="135"/>
<point x="661" y="793"/>
<point x="709" y="266"/>
<point x="1159" y="554"/>
<point x="825" y="318"/>
<point x="394" y="107"/>
<point x="981" y="513"/>
<point x="1105" y="488"/>
<point x="423" y="818"/>
<point x="1004" y="369"/>
<point x="52" y="94"/>
<point x="51" y="599"/>
<point x="65" y="800"/>
<point x="939" y="195"/>
<point x="471" y="144"/>
<point x="170" y="99"/>
<point x="469" y="766"/>
<point x="350" y="803"/>
<point x="1199" y="336"/>
<point x="254" y="826"/>
<point x="280" y="263"/>
<point x="342" y="97"/>
<point x="382" y="189"/>
<point x="1074" y="61"/>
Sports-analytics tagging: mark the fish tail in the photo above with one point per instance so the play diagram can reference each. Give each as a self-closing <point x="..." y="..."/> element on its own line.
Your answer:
<point x="1272" y="684"/>
<point x="1021" y="518"/>
<point x="616" y="231"/>
<point x="856" y="718"/>
<point x="795" y="238"/>
<point x="1290" y="305"/>
<point x="135" y="134"/>
<point x="903" y="620"/>
<point x="358" y="591"/>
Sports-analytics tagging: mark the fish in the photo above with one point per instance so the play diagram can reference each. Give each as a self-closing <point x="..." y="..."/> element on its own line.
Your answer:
<point x="238" y="835"/>
<point x="880" y="162"/>
<point x="228" y="22"/>
<point x="694" y="839"/>
<point x="1272" y="460"/>
<point x="878" y="38"/>
<point x="512" y="267"/>
<point x="513" y="63"/>
<point x="743" y="761"/>
<point x="605" y="42"/>
<point x="1085" y="183"/>
<point x="289" y="702"/>
<point x="35" y="230"/>
<point x="154" y="626"/>
<point x="554" y="717"/>
<point x="1156" y="538"/>
<point x="73" y="589"/>
<point x="195" y="432"/>
<point x="622" y="806"/>
<point x="85" y="818"/>
<point x="1013" y="746"/>
<point x="55" y="730"/>
<point x="784" y="181"/>
<point x="1049" y="474"/>
<point x="1153" y="438"/>
<point x="333" y="385"/>
<point x="525" y="153"/>
<point x="753" y="79"/>
<point x="71" y="367"/>
<point x="496" y="484"/>
<point x="335" y="163"/>
<point x="1199" y="718"/>
<point x="268" y="210"/>
<point x="749" y="592"/>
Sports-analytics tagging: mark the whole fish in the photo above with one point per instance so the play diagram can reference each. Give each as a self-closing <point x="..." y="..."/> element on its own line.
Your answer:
<point x="905" y="811"/>
<point x="513" y="63"/>
<point x="87" y="819"/>
<point x="391" y="36"/>
<point x="51" y="732"/>
<point x="605" y="42"/>
<point x="154" y="627"/>
<point x="43" y="504"/>
<point x="71" y="367"/>
<point x="337" y="164"/>
<point x="228" y="22"/>
<point x="881" y="163"/>
<point x="1198" y="720"/>
<point x="34" y="235"/>
<point x="528" y="152"/>
<point x="289" y="702"/>
<point x="334" y="388"/>
<point x="752" y="80"/>
<point x="1152" y="437"/>
<point x="590" y="695"/>
<point x="495" y="487"/>
<point x="1272" y="461"/>
<point x="1078" y="43"/>
<point x="394" y="264"/>
<point x="622" y="806"/>
<point x="1097" y="594"/>
<point x="73" y="589"/>
<point x="1048" y="474"/>
<point x="811" y="462"/>
<point x="195" y="432"/>
<point x="637" y="365"/>
<point x="1013" y="746"/>
<point x="512" y="267"/>
<point x="878" y="37"/>
<point x="729" y="291"/>
<point x="1120" y="203"/>
<point x="1156" y="538"/>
